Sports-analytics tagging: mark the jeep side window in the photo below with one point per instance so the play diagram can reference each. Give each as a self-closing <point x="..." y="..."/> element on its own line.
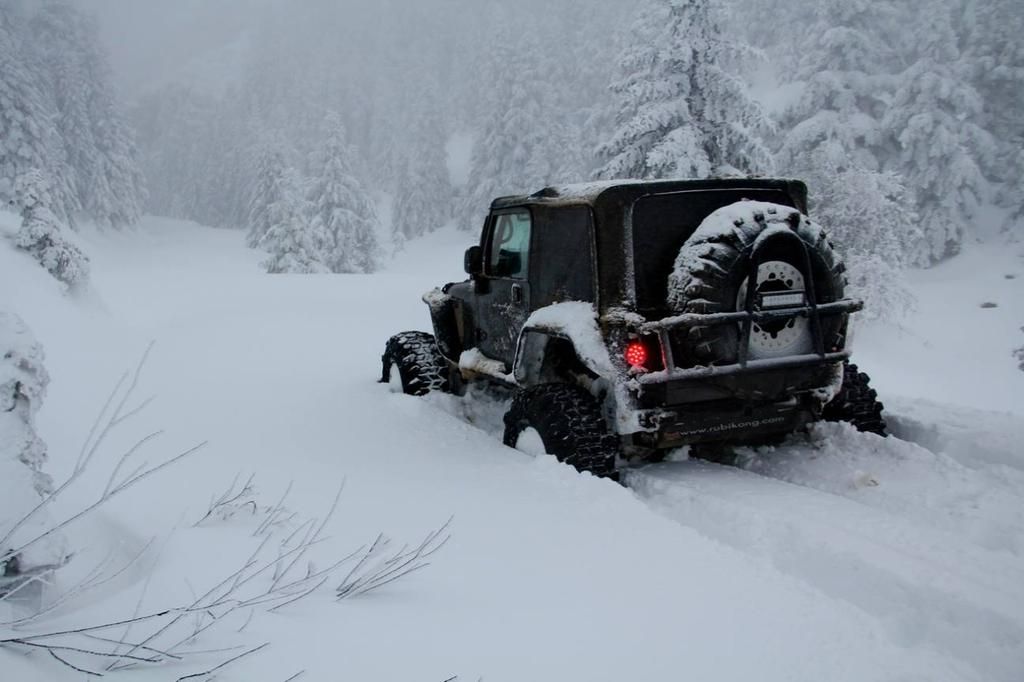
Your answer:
<point x="509" y="250"/>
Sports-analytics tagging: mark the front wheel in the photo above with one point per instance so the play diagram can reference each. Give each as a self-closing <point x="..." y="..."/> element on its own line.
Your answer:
<point x="565" y="421"/>
<point x="421" y="367"/>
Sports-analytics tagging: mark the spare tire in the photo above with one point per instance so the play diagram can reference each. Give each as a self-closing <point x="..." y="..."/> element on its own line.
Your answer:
<point x="710" y="276"/>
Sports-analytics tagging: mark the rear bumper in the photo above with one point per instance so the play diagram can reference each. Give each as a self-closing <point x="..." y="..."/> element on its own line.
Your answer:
<point x="731" y="422"/>
<point x="762" y="399"/>
<point x="756" y="380"/>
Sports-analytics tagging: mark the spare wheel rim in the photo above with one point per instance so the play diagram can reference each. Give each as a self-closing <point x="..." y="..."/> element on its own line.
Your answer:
<point x="777" y="339"/>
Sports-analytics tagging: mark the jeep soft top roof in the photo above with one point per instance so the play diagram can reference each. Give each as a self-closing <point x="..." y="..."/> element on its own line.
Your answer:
<point x="641" y="225"/>
<point x="627" y="191"/>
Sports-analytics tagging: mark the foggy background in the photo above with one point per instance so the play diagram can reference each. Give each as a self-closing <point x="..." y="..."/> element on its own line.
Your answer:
<point x="902" y="119"/>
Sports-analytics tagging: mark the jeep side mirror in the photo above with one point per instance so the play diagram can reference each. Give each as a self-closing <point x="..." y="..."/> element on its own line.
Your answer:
<point x="473" y="263"/>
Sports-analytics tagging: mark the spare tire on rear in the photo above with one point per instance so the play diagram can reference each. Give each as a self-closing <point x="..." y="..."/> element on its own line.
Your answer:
<point x="711" y="271"/>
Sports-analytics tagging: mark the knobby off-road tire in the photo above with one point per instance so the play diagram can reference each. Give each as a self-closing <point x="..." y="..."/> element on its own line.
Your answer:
<point x="713" y="264"/>
<point x="420" y="365"/>
<point x="856" y="403"/>
<point x="569" y="422"/>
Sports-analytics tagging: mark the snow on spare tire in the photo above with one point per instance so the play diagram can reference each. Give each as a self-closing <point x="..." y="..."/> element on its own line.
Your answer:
<point x="710" y="276"/>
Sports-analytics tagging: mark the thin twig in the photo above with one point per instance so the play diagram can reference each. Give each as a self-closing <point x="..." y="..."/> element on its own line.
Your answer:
<point x="124" y="458"/>
<point x="79" y="650"/>
<point x="74" y="667"/>
<point x="274" y="510"/>
<point x="103" y="500"/>
<point x="224" y="664"/>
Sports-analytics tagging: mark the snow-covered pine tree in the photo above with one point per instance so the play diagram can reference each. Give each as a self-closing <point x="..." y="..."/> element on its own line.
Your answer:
<point x="423" y="196"/>
<point x="23" y="482"/>
<point x="41" y="234"/>
<point x="23" y="381"/>
<point x="226" y="162"/>
<point x="1013" y="196"/>
<point x="270" y="167"/>
<point x="296" y="243"/>
<point x="994" y="57"/>
<point x="98" y="144"/>
<point x="683" y="109"/>
<point x="28" y="136"/>
<point x="938" y="145"/>
<point x="342" y="209"/>
<point x="576" y="109"/>
<point x="867" y="215"/>
<point x="513" y="152"/>
<point x="840" y="58"/>
<point x="114" y="197"/>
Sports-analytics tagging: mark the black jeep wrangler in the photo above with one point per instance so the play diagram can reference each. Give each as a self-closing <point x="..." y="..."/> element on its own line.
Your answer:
<point x="633" y="317"/>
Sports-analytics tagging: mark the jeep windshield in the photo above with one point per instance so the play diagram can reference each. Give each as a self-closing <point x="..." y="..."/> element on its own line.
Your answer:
<point x="662" y="222"/>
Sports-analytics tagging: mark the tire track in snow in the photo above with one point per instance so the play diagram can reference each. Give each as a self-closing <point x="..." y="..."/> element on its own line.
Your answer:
<point x="927" y="587"/>
<point x="903" y="552"/>
<point x="980" y="504"/>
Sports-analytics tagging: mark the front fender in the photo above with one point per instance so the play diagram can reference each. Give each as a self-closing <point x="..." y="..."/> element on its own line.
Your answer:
<point x="449" y="317"/>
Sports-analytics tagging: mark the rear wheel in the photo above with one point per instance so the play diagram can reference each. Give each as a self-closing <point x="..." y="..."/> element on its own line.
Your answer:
<point x="856" y="403"/>
<point x="420" y="365"/>
<point x="565" y="421"/>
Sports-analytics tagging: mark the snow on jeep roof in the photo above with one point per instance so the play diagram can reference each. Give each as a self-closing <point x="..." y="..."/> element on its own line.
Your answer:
<point x="589" y="192"/>
<point x="582" y="190"/>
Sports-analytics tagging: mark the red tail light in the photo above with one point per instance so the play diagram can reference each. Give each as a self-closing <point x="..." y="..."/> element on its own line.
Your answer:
<point x="636" y="354"/>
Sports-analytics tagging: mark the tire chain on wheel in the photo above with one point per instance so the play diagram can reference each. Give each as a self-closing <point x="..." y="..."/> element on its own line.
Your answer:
<point x="570" y="423"/>
<point x="856" y="403"/>
<point x="420" y="364"/>
<point x="709" y="282"/>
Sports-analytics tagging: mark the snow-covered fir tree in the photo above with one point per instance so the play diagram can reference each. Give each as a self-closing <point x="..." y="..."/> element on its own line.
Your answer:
<point x="296" y="243"/>
<point x="23" y="381"/>
<point x="867" y="215"/>
<point x="576" y="109"/>
<point x="28" y="136"/>
<point x="98" y="145"/>
<point x="841" y="56"/>
<point x="269" y="169"/>
<point x="683" y="109"/>
<point x="342" y="209"/>
<point x="1018" y="353"/>
<point x="23" y="481"/>
<point x="939" y="147"/>
<point x="423" y="196"/>
<point x="114" y="198"/>
<point x="42" y="234"/>
<point x="993" y="54"/>
<point x="513" y="152"/>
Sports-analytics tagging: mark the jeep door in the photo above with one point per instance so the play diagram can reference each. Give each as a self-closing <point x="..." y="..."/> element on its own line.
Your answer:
<point x="503" y="295"/>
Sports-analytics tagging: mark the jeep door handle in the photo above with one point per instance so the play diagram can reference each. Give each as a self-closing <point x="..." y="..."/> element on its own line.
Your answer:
<point x="517" y="293"/>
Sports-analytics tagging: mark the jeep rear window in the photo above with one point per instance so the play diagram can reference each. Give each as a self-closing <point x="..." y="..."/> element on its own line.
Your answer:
<point x="662" y="222"/>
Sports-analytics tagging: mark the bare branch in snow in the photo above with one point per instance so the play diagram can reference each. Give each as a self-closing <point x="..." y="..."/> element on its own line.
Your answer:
<point x="378" y="567"/>
<point x="231" y="502"/>
<point x="279" y="571"/>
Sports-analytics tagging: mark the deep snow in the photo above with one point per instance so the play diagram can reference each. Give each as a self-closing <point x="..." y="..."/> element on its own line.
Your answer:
<point x="838" y="556"/>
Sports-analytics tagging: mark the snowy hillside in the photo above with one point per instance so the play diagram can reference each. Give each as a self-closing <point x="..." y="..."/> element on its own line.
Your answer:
<point x="837" y="556"/>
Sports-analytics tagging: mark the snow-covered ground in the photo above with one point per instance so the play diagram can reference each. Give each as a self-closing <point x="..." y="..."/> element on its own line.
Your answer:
<point x="837" y="556"/>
